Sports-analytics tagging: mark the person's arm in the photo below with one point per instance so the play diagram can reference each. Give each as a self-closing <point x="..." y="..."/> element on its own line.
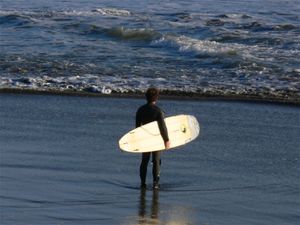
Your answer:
<point x="163" y="129"/>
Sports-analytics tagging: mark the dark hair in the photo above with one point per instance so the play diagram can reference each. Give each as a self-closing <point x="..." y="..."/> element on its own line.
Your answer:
<point x="152" y="94"/>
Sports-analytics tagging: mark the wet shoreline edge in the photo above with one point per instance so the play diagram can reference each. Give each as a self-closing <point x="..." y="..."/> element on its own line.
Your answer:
<point x="168" y="95"/>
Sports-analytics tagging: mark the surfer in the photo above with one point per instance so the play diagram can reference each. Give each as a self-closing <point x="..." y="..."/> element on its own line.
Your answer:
<point x="145" y="114"/>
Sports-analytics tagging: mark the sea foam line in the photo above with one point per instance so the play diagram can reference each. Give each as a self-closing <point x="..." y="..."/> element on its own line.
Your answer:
<point x="52" y="13"/>
<point x="113" y="12"/>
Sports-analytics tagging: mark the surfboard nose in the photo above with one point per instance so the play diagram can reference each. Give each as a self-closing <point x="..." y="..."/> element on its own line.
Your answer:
<point x="195" y="127"/>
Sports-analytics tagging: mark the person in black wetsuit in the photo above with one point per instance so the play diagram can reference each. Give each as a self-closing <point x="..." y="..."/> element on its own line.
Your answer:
<point x="145" y="114"/>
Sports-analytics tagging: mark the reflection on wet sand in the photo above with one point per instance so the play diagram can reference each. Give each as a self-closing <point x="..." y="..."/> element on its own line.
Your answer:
<point x="152" y="216"/>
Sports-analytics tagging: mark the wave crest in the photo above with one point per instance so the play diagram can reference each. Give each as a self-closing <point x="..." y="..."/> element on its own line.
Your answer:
<point x="199" y="47"/>
<point x="142" y="34"/>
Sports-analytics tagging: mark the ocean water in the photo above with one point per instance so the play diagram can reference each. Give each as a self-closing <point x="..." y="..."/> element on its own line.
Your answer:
<point x="222" y="48"/>
<point x="60" y="164"/>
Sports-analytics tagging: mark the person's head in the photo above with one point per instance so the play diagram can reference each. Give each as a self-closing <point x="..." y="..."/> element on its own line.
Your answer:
<point x="152" y="94"/>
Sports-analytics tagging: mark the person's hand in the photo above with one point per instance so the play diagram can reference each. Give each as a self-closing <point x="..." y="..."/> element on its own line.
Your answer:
<point x="167" y="144"/>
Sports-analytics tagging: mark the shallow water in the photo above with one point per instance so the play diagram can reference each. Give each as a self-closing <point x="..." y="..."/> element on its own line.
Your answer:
<point x="225" y="48"/>
<point x="60" y="164"/>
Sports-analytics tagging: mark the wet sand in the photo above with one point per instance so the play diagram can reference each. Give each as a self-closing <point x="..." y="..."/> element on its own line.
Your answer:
<point x="60" y="164"/>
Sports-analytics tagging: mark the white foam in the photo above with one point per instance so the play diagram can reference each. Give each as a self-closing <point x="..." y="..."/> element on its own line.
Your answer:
<point x="112" y="12"/>
<point x="187" y="44"/>
<point x="99" y="11"/>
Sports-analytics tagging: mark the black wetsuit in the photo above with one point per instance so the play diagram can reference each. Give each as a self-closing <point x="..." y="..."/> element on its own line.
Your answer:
<point x="146" y="114"/>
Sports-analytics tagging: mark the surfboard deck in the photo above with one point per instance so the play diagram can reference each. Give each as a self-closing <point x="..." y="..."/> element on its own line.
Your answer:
<point x="181" y="129"/>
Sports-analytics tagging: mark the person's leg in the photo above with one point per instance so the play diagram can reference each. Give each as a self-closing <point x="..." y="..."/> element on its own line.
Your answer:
<point x="143" y="168"/>
<point x="156" y="168"/>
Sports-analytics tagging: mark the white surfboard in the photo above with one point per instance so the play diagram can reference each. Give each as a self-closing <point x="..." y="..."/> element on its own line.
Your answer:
<point x="181" y="129"/>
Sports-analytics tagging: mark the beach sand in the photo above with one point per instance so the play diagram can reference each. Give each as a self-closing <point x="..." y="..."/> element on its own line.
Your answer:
<point x="60" y="164"/>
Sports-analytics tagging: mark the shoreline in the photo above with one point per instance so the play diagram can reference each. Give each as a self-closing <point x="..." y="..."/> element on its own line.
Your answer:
<point x="169" y="95"/>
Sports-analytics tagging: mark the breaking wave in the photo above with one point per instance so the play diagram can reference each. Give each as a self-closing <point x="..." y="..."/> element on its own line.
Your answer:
<point x="134" y="34"/>
<point x="199" y="47"/>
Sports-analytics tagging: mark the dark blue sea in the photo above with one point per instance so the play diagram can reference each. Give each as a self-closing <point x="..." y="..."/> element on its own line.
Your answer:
<point x="220" y="48"/>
